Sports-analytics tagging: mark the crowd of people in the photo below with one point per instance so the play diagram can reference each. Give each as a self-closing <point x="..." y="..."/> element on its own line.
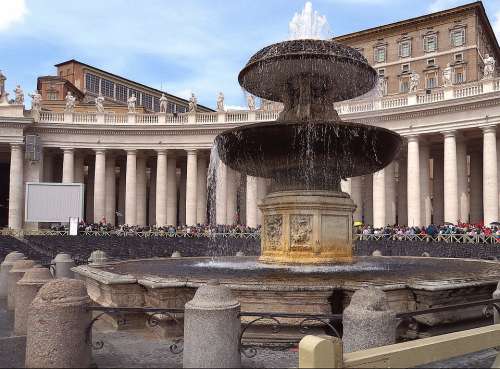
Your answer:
<point x="432" y="230"/>
<point x="197" y="230"/>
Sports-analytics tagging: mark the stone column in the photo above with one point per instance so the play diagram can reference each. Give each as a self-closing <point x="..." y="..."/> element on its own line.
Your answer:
<point x="368" y="321"/>
<point x="171" y="191"/>
<point x="27" y="288"/>
<point x="426" y="204"/>
<point x="211" y="329"/>
<point x="368" y="199"/>
<point x="182" y="194"/>
<point x="251" y="202"/>
<point x="379" y="199"/>
<point x="463" y="183"/>
<point x="161" y="188"/>
<point x="5" y="268"/>
<point x="476" y="187"/>
<point x="89" y="192"/>
<point x="57" y="323"/>
<point x="68" y="175"/>
<point x="191" y="187"/>
<point x="201" y="188"/>
<point x="413" y="182"/>
<point x="141" y="191"/>
<point x="450" y="178"/>
<point x="345" y="186"/>
<point x="15" y="274"/>
<point x="262" y="189"/>
<point x="221" y="194"/>
<point x="121" y="194"/>
<point x="232" y="195"/>
<point x="390" y="194"/>
<point x="356" y="196"/>
<point x="402" y="212"/>
<point x="490" y="175"/>
<point x="152" y="194"/>
<point x="100" y="185"/>
<point x="48" y="166"/>
<point x="16" y="187"/>
<point x="438" y="189"/>
<point x="79" y="168"/>
<point x="131" y="188"/>
<point x="111" y="189"/>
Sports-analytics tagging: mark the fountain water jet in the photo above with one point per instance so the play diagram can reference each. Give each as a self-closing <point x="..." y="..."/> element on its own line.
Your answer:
<point x="307" y="219"/>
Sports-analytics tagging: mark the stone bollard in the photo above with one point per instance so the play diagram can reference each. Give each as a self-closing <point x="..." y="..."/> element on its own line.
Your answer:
<point x="15" y="274"/>
<point x="26" y="290"/>
<point x="426" y="255"/>
<point x="240" y="254"/>
<point x="368" y="321"/>
<point x="211" y="328"/>
<point x="57" y="323"/>
<point x="63" y="264"/>
<point x="5" y="268"/>
<point x="98" y="257"/>
<point x="377" y="253"/>
<point x="176" y="254"/>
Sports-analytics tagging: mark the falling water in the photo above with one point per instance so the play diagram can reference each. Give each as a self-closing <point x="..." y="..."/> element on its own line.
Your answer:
<point x="308" y="24"/>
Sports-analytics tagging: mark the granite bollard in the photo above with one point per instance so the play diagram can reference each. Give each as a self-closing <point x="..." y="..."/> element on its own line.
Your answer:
<point x="368" y="321"/>
<point x="63" y="264"/>
<point x="176" y="254"/>
<point x="26" y="290"/>
<point x="15" y="274"/>
<point x="5" y="268"/>
<point x="97" y="258"/>
<point x="211" y="328"/>
<point x="57" y="322"/>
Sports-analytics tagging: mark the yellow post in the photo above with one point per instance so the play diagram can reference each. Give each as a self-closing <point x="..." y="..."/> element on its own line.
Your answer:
<point x="320" y="352"/>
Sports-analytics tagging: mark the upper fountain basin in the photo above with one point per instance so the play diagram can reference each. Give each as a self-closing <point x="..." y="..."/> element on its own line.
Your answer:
<point x="335" y="72"/>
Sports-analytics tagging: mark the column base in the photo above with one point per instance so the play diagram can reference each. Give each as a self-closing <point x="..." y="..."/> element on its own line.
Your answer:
<point x="307" y="227"/>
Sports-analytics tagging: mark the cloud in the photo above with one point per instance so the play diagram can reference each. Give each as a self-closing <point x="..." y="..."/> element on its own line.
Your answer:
<point x="496" y="24"/>
<point x="11" y="12"/>
<point x="438" y="5"/>
<point x="235" y="107"/>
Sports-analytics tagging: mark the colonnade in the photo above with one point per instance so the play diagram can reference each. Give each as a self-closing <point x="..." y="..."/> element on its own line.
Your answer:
<point x="450" y="177"/>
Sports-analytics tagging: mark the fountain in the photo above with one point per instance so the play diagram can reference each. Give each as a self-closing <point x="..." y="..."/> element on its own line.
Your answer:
<point x="306" y="263"/>
<point x="308" y="150"/>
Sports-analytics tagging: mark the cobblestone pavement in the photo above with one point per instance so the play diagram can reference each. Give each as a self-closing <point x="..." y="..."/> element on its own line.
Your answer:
<point x="6" y="319"/>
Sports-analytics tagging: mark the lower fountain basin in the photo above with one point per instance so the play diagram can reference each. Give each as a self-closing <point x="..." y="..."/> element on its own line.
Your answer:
<point x="298" y="155"/>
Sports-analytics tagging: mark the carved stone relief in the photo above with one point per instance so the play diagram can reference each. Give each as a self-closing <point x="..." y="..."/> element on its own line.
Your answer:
<point x="274" y="229"/>
<point x="300" y="230"/>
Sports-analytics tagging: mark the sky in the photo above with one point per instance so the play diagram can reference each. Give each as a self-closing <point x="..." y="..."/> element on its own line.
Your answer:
<point x="180" y="46"/>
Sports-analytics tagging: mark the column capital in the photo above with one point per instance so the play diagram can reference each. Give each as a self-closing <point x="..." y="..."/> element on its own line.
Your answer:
<point x="191" y="151"/>
<point x="412" y="138"/>
<point x="131" y="151"/>
<point x="16" y="146"/>
<point x="489" y="129"/>
<point x="161" y="151"/>
<point x="449" y="134"/>
<point x="68" y="149"/>
<point x="100" y="151"/>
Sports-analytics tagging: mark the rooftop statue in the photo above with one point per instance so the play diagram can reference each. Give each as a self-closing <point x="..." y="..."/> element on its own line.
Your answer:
<point x="99" y="103"/>
<point x="163" y="103"/>
<point x="193" y="104"/>
<point x="448" y="75"/>
<point x="36" y="104"/>
<point x="3" y="94"/>
<point x="19" y="99"/>
<point x="220" y="102"/>
<point x="250" y="101"/>
<point x="489" y="67"/>
<point x="414" y="81"/>
<point x="70" y="102"/>
<point x="131" y="101"/>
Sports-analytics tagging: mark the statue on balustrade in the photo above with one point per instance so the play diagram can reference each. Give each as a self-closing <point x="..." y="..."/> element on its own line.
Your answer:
<point x="381" y="86"/>
<point x="220" y="102"/>
<point x="19" y="99"/>
<point x="489" y="67"/>
<point x="193" y="104"/>
<point x="70" y="102"/>
<point x="414" y="80"/>
<point x="131" y="101"/>
<point x="3" y="94"/>
<point x="448" y="75"/>
<point x="251" y="101"/>
<point x="99" y="103"/>
<point x="36" y="104"/>
<point x="163" y="103"/>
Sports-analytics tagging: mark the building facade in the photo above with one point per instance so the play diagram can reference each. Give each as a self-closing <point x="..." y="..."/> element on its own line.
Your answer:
<point x="149" y="168"/>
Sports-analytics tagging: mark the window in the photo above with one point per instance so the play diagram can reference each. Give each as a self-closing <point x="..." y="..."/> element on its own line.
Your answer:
<point x="459" y="74"/>
<point x="430" y="43"/>
<point x="404" y="85"/>
<point x="459" y="57"/>
<point x="431" y="62"/>
<point x="91" y="83"/>
<point x="381" y="72"/>
<point x="458" y="37"/>
<point x="147" y="101"/>
<point x="405" y="49"/>
<point x="107" y="88"/>
<point x="156" y="104"/>
<point x="379" y="55"/>
<point x="121" y="93"/>
<point x="431" y="80"/>
<point x="405" y="68"/>
<point x="52" y="96"/>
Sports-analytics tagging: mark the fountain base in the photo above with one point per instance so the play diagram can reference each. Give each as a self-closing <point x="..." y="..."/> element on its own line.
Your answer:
<point x="307" y="227"/>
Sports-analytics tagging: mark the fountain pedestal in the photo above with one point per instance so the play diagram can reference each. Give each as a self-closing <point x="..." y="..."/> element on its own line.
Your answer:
<point x="307" y="227"/>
